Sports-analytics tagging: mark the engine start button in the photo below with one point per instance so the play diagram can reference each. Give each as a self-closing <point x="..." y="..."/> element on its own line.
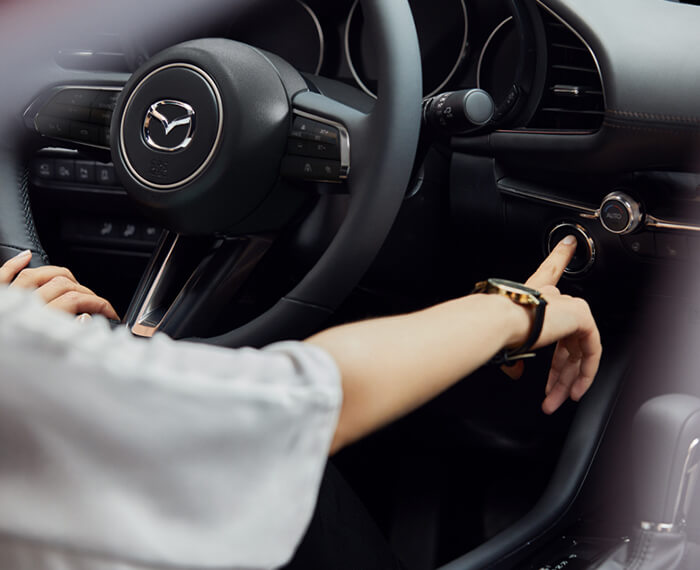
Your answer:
<point x="584" y="257"/>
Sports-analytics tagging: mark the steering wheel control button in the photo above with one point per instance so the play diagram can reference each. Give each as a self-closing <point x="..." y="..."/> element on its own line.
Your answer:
<point x="315" y="139"/>
<point x="620" y="213"/>
<point x="75" y="97"/>
<point x="309" y="129"/>
<point x="71" y="115"/>
<point x="101" y="116"/>
<point x="106" y="100"/>
<point x="310" y="148"/>
<point x="166" y="140"/>
<point x="312" y="169"/>
<point x="53" y="127"/>
<point x="84" y="132"/>
<point x="585" y="247"/>
<point x="71" y="112"/>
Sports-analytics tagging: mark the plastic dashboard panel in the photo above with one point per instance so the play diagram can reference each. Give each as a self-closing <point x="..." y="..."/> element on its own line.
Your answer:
<point x="645" y="48"/>
<point x="585" y="435"/>
<point x="647" y="53"/>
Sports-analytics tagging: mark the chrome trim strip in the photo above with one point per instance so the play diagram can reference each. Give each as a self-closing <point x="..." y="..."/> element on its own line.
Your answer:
<point x="594" y="214"/>
<point x="140" y="328"/>
<point x="687" y="485"/>
<point x="450" y="75"/>
<point x="343" y="140"/>
<point x="486" y="46"/>
<point x="589" y="241"/>
<point x="661" y="224"/>
<point x="321" y="38"/>
<point x="584" y="42"/>
<point x="584" y="211"/>
<point x="214" y="147"/>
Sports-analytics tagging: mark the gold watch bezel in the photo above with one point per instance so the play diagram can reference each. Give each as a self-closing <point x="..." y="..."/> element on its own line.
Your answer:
<point x="516" y="292"/>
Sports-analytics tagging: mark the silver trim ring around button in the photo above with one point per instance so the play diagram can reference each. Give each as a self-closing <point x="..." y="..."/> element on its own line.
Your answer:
<point x="214" y="147"/>
<point x="575" y="228"/>
<point x="631" y="206"/>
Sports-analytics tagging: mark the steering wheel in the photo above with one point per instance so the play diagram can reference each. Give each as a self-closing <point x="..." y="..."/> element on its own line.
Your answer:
<point x="204" y="137"/>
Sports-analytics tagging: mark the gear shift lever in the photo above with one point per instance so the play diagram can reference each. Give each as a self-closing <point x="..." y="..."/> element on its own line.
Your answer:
<point x="667" y="455"/>
<point x="666" y="466"/>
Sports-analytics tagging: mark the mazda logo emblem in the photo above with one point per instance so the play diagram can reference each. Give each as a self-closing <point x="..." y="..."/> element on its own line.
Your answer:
<point x="169" y="125"/>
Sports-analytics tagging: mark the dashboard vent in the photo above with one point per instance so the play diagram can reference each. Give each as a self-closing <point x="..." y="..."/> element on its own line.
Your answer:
<point x="573" y="95"/>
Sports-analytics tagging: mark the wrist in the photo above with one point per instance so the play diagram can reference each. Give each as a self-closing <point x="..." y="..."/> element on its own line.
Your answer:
<point x="517" y="320"/>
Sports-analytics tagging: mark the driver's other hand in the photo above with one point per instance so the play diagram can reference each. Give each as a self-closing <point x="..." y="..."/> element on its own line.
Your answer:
<point x="568" y="322"/>
<point x="56" y="286"/>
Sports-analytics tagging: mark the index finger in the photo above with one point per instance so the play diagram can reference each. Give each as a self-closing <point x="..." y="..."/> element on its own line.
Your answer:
<point x="552" y="268"/>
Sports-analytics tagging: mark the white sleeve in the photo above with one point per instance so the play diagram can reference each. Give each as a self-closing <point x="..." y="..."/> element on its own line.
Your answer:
<point x="157" y="452"/>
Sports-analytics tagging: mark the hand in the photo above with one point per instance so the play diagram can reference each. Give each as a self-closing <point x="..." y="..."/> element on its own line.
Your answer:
<point x="568" y="322"/>
<point x="56" y="286"/>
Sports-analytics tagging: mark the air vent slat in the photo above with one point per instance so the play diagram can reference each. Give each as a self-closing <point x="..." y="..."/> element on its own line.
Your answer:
<point x="572" y="100"/>
<point x="572" y="111"/>
<point x="574" y="68"/>
<point x="569" y="46"/>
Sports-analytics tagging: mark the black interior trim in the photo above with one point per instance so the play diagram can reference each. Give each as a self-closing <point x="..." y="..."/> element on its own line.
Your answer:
<point x="579" y="450"/>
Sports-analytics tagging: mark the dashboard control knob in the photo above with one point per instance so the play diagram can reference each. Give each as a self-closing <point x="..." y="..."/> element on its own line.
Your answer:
<point x="459" y="111"/>
<point x="620" y="213"/>
<point x="585" y="247"/>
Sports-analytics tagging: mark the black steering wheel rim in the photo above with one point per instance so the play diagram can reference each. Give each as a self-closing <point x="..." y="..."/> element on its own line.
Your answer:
<point x="383" y="148"/>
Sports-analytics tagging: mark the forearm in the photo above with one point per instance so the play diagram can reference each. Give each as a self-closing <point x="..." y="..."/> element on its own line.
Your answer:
<point x="391" y="366"/>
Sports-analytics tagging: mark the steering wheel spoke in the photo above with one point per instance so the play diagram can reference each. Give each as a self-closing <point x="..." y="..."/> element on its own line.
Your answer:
<point x="189" y="279"/>
<point x="204" y="135"/>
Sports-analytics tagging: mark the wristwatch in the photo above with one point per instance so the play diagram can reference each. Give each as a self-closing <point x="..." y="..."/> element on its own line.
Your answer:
<point x="522" y="295"/>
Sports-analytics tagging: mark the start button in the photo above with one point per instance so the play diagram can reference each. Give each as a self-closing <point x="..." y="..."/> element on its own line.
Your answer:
<point x="584" y="257"/>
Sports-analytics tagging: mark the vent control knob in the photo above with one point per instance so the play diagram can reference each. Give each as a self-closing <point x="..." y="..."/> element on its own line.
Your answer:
<point x="620" y="213"/>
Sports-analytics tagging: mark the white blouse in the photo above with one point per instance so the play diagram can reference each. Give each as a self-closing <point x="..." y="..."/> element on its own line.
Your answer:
<point x="118" y="452"/>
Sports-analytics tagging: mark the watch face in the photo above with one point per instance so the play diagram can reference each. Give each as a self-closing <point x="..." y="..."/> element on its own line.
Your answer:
<point x="512" y="287"/>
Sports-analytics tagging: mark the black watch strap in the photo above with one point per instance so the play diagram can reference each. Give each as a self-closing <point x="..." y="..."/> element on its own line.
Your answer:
<point x="521" y="295"/>
<point x="510" y="356"/>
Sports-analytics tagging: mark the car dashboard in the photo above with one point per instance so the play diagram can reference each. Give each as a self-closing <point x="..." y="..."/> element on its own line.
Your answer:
<point x="595" y="133"/>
